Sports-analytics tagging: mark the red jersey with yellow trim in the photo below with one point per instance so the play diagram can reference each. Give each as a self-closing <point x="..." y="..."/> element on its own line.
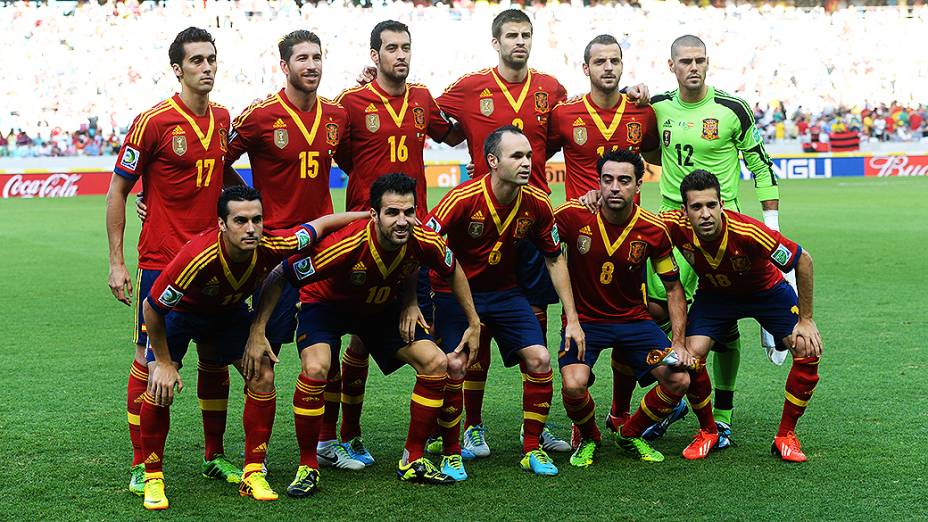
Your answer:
<point x="180" y="158"/>
<point x="748" y="257"/>
<point x="202" y="278"/>
<point x="387" y="134"/>
<point x="586" y="131"/>
<point x="291" y="153"/>
<point x="351" y="267"/>
<point x="607" y="262"/>
<point x="483" y="102"/>
<point x="484" y="232"/>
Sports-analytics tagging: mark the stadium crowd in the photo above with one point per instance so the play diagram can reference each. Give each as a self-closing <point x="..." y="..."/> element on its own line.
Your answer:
<point x="81" y="71"/>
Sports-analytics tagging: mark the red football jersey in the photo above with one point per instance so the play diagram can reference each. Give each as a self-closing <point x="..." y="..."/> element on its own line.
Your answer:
<point x="350" y="267"/>
<point x="387" y="134"/>
<point x="746" y="258"/>
<point x="291" y="153"/>
<point x="607" y="262"/>
<point x="180" y="158"/>
<point x="586" y="131"/>
<point x="483" y="102"/>
<point x="483" y="232"/>
<point x="202" y="278"/>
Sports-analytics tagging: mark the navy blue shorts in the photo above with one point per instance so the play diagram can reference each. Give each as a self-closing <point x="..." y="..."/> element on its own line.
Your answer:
<point x="776" y="310"/>
<point x="533" y="276"/>
<point x="631" y="341"/>
<point x="507" y="314"/>
<point x="282" y="324"/>
<point x="424" y="295"/>
<point x="227" y="331"/>
<point x="144" y="279"/>
<point x="380" y="333"/>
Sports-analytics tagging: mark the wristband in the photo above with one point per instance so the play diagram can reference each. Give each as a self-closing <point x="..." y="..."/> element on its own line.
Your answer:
<point x="772" y="219"/>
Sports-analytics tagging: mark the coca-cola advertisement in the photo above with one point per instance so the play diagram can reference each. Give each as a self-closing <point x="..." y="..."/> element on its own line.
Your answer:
<point x="896" y="166"/>
<point x="54" y="184"/>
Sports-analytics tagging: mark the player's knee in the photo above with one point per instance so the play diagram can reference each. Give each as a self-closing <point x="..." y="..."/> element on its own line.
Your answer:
<point x="677" y="382"/>
<point x="315" y="369"/>
<point x="434" y="364"/>
<point x="356" y="346"/>
<point x="537" y="359"/>
<point x="263" y="382"/>
<point x="573" y="388"/>
<point x="457" y="366"/>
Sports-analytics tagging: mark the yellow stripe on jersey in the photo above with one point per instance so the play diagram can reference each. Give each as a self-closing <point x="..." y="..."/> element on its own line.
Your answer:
<point x="338" y="99"/>
<point x="194" y="267"/>
<point x="280" y="243"/>
<point x="430" y="240"/>
<point x="665" y="265"/>
<point x="252" y="108"/>
<point x="747" y="229"/>
<point x="573" y="203"/>
<point x="136" y="136"/>
<point x="347" y="244"/>
<point x="447" y="205"/>
<point x="538" y="194"/>
<point x="481" y="72"/>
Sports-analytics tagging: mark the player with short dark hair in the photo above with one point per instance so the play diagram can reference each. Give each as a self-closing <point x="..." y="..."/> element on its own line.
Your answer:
<point x="178" y="149"/>
<point x="511" y="93"/>
<point x="603" y="120"/>
<point x="354" y="283"/>
<point x="740" y="264"/>
<point x="200" y="296"/>
<point x="606" y="253"/>
<point x="389" y="122"/>
<point x="485" y="219"/>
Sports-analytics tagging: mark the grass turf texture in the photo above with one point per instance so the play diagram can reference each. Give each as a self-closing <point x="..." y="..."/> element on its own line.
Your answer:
<point x="66" y="348"/>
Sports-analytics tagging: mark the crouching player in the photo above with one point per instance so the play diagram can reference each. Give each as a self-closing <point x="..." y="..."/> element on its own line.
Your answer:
<point x="739" y="261"/>
<point x="200" y="296"/>
<point x="355" y="282"/>
<point x="606" y="256"/>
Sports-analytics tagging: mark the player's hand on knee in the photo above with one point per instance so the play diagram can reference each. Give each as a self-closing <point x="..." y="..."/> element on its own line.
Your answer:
<point x="255" y="350"/>
<point x="591" y="200"/>
<point x="573" y="332"/>
<point x="806" y="340"/>
<point x="164" y="378"/>
<point x="471" y="341"/>
<point x="120" y="284"/>
<point x="367" y="75"/>
<point x="409" y="317"/>
<point x="684" y="358"/>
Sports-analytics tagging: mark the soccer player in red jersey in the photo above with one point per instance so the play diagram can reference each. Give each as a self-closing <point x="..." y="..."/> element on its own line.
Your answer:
<point x="509" y="94"/>
<point x="485" y="219"/>
<point x="178" y="149"/>
<point x="356" y="282"/>
<point x="390" y="120"/>
<point x="601" y="121"/>
<point x="606" y="256"/>
<point x="200" y="296"/>
<point x="740" y="264"/>
<point x="291" y="137"/>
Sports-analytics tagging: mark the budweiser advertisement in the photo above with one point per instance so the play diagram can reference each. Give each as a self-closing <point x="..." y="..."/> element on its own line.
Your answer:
<point x="896" y="166"/>
<point x="50" y="184"/>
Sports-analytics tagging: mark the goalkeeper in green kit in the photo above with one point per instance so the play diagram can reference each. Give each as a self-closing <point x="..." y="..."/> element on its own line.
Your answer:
<point x="704" y="128"/>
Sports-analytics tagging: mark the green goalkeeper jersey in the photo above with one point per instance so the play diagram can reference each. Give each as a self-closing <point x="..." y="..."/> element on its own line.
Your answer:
<point x="709" y="135"/>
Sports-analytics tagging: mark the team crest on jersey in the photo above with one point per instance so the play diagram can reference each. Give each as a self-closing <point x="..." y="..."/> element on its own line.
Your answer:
<point x="372" y="121"/>
<point x="541" y="102"/>
<point x="179" y="144"/>
<point x="522" y="226"/>
<point x="486" y="106"/>
<point x="281" y="138"/>
<point x="223" y="139"/>
<point x="418" y="114"/>
<point x="580" y="135"/>
<point x="637" y="251"/>
<point x="475" y="229"/>
<point x="633" y="129"/>
<point x="710" y="129"/>
<point x="584" y="243"/>
<point x="331" y="134"/>
<point x="666" y="138"/>
<point x="741" y="263"/>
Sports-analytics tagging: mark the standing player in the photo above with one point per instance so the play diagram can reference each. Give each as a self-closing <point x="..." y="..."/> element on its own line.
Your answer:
<point x="740" y="263"/>
<point x="485" y="219"/>
<point x="178" y="149"/>
<point x="704" y="128"/>
<point x="606" y="254"/>
<point x="353" y="284"/>
<point x="200" y="296"/>
<point x="389" y="121"/>
<point x="291" y="137"/>
<point x="601" y="121"/>
<point x="509" y="94"/>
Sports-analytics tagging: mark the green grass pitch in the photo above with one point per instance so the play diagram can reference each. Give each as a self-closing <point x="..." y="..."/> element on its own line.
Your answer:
<point x="65" y="350"/>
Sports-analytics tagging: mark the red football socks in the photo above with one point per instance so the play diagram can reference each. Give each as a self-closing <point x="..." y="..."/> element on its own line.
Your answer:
<point x="537" y="391"/>
<point x="354" y="380"/>
<point x="582" y="411"/>
<point x="258" y="421"/>
<point x="449" y="419"/>
<point x="700" y="397"/>
<point x="213" y="393"/>
<point x="308" y="408"/>
<point x="424" y="407"/>
<point x="801" y="382"/>
<point x="138" y="383"/>
<point x="656" y="404"/>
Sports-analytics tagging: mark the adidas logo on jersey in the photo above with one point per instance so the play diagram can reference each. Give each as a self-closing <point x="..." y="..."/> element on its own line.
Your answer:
<point x="586" y="230"/>
<point x="279" y="124"/>
<point x="370" y="108"/>
<point x="359" y="266"/>
<point x="260" y="449"/>
<point x="213" y="281"/>
<point x="178" y="131"/>
<point x="478" y="216"/>
<point x="152" y="459"/>
<point x="485" y="93"/>
<point x="579" y="122"/>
